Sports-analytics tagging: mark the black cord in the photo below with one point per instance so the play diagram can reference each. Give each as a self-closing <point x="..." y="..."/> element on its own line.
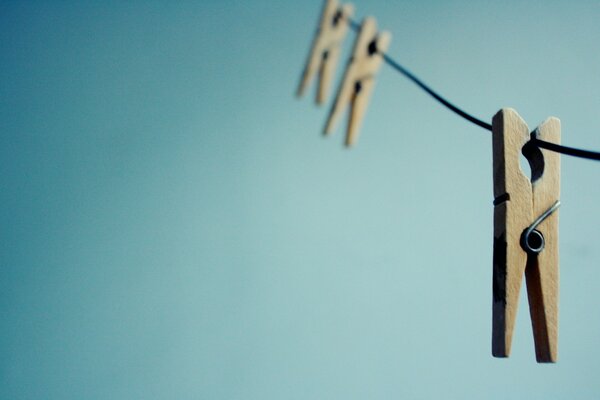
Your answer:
<point x="570" y="151"/>
<point x="354" y="25"/>
<point x="436" y="96"/>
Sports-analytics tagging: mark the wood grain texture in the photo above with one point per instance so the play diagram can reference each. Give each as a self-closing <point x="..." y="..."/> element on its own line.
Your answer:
<point x="326" y="48"/>
<point x="359" y="79"/>
<point x="519" y="201"/>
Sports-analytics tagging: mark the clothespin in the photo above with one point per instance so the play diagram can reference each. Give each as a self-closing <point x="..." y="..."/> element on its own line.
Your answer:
<point x="359" y="78"/>
<point x="326" y="47"/>
<point x="525" y="232"/>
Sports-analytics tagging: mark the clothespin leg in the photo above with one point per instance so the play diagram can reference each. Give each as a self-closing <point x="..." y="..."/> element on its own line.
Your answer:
<point x="513" y="199"/>
<point x="312" y="65"/>
<point x="326" y="74"/>
<point x="507" y="278"/>
<point x="360" y="100"/>
<point x="543" y="269"/>
<point x="344" y="96"/>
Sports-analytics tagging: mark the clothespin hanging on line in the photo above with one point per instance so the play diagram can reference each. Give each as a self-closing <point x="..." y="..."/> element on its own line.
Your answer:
<point x="525" y="232"/>
<point x="359" y="78"/>
<point x="326" y="48"/>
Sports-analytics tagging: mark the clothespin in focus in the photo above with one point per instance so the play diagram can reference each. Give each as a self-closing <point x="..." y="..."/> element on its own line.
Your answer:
<point x="525" y="232"/>
<point x="326" y="47"/>
<point x="359" y="78"/>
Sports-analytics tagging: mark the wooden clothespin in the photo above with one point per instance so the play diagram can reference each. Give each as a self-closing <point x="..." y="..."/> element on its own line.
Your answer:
<point x="359" y="78"/>
<point x="525" y="232"/>
<point x="326" y="48"/>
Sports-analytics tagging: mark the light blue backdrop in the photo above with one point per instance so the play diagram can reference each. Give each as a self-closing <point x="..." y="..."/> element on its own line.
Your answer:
<point x="174" y="227"/>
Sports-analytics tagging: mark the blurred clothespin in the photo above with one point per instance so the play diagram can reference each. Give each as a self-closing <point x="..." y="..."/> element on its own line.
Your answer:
<point x="359" y="78"/>
<point x="525" y="232"/>
<point x="326" y="48"/>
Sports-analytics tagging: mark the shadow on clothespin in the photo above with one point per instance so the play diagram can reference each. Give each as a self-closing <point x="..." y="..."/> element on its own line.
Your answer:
<point x="326" y="48"/>
<point x="359" y="78"/>
<point x="525" y="232"/>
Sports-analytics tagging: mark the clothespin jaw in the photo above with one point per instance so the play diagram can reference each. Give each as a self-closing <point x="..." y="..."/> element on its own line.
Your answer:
<point x="525" y="232"/>
<point x="359" y="78"/>
<point x="326" y="48"/>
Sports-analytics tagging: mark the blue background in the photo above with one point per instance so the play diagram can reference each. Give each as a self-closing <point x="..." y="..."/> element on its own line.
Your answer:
<point x="174" y="227"/>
